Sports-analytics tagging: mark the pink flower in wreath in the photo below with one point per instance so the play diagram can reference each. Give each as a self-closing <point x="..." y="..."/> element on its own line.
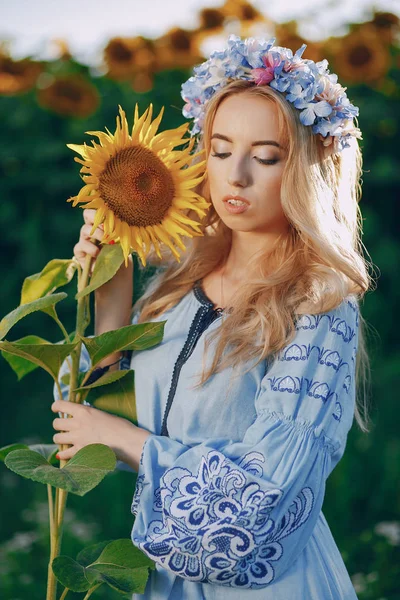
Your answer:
<point x="263" y="76"/>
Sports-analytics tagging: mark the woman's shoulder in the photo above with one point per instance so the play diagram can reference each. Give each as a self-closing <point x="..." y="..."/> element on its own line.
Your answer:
<point x="314" y="308"/>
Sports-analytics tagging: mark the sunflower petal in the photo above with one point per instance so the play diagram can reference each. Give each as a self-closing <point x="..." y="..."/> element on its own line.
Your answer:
<point x="155" y="242"/>
<point x="125" y="240"/>
<point x="153" y="127"/>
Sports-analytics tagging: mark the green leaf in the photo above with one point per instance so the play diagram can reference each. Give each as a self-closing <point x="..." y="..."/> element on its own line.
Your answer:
<point x="65" y="378"/>
<point x="118" y="563"/>
<point x="56" y="273"/>
<point x="22" y="366"/>
<point x="117" y="398"/>
<point x="70" y="574"/>
<point x="106" y="379"/>
<point x="108" y="261"/>
<point x="89" y="554"/>
<point x="122" y="566"/>
<point x="82" y="472"/>
<point x="7" y="449"/>
<point x="49" y="451"/>
<point x="47" y="356"/>
<point x="131" y="337"/>
<point x="45" y="304"/>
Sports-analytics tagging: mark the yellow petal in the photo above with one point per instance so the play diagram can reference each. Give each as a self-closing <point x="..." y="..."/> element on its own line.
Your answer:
<point x="155" y="242"/>
<point x="153" y="127"/>
<point x="98" y="217"/>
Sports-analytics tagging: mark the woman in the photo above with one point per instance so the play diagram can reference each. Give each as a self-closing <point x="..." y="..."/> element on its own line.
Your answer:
<point x="245" y="406"/>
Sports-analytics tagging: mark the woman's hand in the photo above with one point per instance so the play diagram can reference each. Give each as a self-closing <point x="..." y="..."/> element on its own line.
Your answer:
<point x="84" y="246"/>
<point x="89" y="425"/>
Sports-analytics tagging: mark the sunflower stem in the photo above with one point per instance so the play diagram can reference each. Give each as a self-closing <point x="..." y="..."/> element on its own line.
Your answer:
<point x="92" y="589"/>
<point x="57" y="509"/>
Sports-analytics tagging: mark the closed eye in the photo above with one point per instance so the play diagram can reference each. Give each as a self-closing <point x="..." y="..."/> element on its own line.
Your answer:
<point x="264" y="162"/>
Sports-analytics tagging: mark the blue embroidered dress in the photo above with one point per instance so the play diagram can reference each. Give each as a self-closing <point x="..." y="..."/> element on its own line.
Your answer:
<point x="232" y="478"/>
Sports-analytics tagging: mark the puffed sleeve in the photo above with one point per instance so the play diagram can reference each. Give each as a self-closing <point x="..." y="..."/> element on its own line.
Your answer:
<point x="239" y="513"/>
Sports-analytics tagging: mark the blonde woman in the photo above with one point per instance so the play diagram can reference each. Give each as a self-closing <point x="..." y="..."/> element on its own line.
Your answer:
<point x="245" y="406"/>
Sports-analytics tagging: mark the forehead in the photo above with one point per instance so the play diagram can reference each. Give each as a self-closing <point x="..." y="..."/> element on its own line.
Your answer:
<point x="244" y="117"/>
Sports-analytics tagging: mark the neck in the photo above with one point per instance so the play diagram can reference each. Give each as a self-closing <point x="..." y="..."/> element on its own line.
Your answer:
<point x="245" y="245"/>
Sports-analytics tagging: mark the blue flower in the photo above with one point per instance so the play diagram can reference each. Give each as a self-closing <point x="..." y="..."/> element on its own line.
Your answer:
<point x="309" y="86"/>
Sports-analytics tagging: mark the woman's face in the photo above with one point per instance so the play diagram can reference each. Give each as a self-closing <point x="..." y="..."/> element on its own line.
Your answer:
<point x="245" y="169"/>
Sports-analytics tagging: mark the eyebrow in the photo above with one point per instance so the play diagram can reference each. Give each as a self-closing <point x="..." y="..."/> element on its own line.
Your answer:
<point x="258" y="143"/>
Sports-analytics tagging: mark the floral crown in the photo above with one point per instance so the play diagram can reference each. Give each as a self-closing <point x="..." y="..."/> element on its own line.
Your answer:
<point x="309" y="86"/>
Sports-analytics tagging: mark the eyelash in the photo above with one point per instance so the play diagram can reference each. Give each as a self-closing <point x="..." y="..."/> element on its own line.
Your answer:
<point x="264" y="162"/>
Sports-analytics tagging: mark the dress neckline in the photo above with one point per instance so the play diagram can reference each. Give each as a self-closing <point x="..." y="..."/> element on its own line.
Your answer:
<point x="204" y="299"/>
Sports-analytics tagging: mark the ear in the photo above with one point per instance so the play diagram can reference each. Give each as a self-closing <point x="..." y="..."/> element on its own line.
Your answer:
<point x="329" y="146"/>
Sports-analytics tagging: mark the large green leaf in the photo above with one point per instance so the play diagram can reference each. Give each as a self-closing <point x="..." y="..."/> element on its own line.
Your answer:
<point x="70" y="574"/>
<point x="108" y="261"/>
<point x="56" y="273"/>
<point x="7" y="449"/>
<point x="47" y="356"/>
<point x="49" y="451"/>
<point x="88" y="555"/>
<point x="119" y="564"/>
<point x="82" y="472"/>
<point x="22" y="366"/>
<point x="131" y="337"/>
<point x="117" y="398"/>
<point x="45" y="304"/>
<point x="106" y="379"/>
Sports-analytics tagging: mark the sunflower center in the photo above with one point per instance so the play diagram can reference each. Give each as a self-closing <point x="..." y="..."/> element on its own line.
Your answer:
<point x="360" y="55"/>
<point x="137" y="186"/>
<point x="66" y="90"/>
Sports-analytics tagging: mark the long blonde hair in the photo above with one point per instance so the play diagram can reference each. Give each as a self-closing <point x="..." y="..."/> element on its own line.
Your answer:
<point x="310" y="270"/>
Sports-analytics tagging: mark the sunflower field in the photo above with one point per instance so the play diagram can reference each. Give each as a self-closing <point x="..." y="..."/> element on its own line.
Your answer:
<point x="46" y="104"/>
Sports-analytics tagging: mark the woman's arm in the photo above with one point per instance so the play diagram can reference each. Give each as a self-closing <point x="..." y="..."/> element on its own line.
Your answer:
<point x="113" y="305"/>
<point x="113" y="300"/>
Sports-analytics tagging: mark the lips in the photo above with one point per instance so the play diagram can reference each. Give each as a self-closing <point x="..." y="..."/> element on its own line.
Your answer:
<point x="226" y="198"/>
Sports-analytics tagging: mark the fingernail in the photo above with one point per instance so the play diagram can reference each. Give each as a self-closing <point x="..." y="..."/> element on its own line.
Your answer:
<point x="58" y="456"/>
<point x="112" y="242"/>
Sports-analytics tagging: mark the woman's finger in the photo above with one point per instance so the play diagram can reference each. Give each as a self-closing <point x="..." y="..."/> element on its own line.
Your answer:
<point x="84" y="247"/>
<point x="88" y="215"/>
<point x="64" y="424"/>
<point x="64" y="406"/>
<point x="62" y="438"/>
<point x="98" y="233"/>
<point x="66" y="454"/>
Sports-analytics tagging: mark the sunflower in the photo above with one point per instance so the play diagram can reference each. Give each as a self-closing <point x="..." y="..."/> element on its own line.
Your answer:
<point x="70" y="95"/>
<point x="17" y="76"/>
<point x="140" y="186"/>
<point x="360" y="56"/>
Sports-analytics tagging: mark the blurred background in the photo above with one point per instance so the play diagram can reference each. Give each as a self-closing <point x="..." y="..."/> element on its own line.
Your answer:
<point x="64" y="68"/>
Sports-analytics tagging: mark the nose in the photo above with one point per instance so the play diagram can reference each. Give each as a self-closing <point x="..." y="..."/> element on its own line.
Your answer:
<point x="239" y="175"/>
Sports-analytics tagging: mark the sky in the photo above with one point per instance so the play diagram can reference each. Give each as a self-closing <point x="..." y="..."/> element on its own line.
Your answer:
<point x="28" y="26"/>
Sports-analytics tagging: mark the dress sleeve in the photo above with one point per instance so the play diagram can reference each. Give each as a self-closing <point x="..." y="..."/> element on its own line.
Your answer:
<point x="239" y="513"/>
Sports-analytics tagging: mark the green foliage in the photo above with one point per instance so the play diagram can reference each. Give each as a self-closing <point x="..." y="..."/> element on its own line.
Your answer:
<point x="82" y="473"/>
<point x="45" y="304"/>
<point x="57" y="273"/>
<point x="49" y="451"/>
<point x="45" y="355"/>
<point x="118" y="397"/>
<point x="118" y="563"/>
<point x="131" y="337"/>
<point x="107" y="264"/>
<point x="22" y="366"/>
